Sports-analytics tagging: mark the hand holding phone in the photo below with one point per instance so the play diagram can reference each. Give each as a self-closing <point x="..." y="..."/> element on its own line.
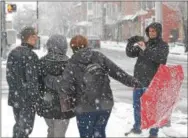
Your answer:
<point x="142" y="45"/>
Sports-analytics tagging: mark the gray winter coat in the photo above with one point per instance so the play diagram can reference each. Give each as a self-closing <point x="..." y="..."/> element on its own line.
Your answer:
<point x="52" y="64"/>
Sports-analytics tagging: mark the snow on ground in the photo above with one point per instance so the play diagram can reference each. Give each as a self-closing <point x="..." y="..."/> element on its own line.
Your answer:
<point x="120" y="121"/>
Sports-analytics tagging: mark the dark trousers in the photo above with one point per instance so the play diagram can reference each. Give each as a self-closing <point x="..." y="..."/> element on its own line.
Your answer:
<point x="24" y="118"/>
<point x="137" y="93"/>
<point x="93" y="124"/>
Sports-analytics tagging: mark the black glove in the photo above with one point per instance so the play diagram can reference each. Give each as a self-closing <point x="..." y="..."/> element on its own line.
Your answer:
<point x="136" y="39"/>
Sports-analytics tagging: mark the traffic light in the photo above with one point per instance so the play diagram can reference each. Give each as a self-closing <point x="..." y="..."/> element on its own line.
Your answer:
<point x="11" y="8"/>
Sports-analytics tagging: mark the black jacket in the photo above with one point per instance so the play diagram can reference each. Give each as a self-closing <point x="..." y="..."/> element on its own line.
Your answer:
<point x="22" y="76"/>
<point x="72" y="79"/>
<point x="148" y="61"/>
<point x="52" y="64"/>
<point x="49" y="105"/>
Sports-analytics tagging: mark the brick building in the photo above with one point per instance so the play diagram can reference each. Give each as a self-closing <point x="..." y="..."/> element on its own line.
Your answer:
<point x="123" y="19"/>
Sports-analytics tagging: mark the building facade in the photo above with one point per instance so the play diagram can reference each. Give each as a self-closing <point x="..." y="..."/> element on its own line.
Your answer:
<point x="118" y="21"/>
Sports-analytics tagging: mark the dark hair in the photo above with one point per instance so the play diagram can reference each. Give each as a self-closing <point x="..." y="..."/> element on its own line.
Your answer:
<point x="26" y="32"/>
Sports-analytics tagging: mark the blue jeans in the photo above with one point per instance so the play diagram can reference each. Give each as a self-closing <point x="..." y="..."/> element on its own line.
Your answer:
<point x="137" y="93"/>
<point x="93" y="124"/>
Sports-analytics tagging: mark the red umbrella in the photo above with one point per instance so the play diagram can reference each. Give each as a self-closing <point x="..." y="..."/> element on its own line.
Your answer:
<point x="159" y="100"/>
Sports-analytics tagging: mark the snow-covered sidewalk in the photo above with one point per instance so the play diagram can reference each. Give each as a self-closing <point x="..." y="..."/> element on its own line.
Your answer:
<point x="120" y="121"/>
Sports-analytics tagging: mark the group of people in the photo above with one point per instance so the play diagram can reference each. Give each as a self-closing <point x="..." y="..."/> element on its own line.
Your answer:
<point x="59" y="88"/>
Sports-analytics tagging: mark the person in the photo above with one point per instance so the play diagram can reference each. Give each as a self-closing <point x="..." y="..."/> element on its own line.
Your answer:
<point x="22" y="78"/>
<point x="49" y="106"/>
<point x="92" y="117"/>
<point x="149" y="55"/>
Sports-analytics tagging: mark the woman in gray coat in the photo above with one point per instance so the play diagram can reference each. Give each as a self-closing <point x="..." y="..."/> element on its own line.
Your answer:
<point x="49" y="107"/>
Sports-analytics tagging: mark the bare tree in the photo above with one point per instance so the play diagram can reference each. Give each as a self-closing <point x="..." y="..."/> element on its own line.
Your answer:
<point x="57" y="16"/>
<point x="24" y="17"/>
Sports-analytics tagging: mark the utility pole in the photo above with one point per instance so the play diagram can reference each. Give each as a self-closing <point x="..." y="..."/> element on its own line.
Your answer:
<point x="119" y="23"/>
<point x="37" y="13"/>
<point x="158" y="12"/>
<point x="186" y="30"/>
<point x="3" y="29"/>
<point x="2" y="44"/>
<point x="104" y="21"/>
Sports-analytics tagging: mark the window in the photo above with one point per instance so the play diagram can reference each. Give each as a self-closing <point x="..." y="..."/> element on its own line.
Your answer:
<point x="89" y="5"/>
<point x="145" y="5"/>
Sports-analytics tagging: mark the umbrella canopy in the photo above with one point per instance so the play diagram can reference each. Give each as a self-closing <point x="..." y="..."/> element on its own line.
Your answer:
<point x="159" y="100"/>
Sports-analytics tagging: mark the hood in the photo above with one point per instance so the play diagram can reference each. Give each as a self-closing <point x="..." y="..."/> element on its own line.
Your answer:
<point x="156" y="26"/>
<point x="57" y="44"/>
<point x="83" y="56"/>
<point x="53" y="57"/>
<point x="54" y="67"/>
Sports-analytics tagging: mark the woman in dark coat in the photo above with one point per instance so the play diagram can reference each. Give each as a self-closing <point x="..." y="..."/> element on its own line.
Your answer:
<point x="49" y="107"/>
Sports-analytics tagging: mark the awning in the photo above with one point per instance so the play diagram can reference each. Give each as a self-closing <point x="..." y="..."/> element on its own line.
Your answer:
<point x="110" y="21"/>
<point x="133" y="16"/>
<point x="78" y="4"/>
<point x="129" y="17"/>
<point x="84" y="23"/>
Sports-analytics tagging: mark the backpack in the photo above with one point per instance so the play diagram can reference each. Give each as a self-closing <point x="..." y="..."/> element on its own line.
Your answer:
<point x="94" y="80"/>
<point x="50" y="103"/>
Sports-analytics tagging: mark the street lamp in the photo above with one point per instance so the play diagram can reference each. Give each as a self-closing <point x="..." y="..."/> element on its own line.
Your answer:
<point x="104" y="20"/>
<point x="142" y="13"/>
<point x="37" y="14"/>
<point x="37" y="25"/>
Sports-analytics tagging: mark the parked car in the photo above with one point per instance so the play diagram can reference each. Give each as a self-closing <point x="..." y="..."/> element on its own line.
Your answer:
<point x="94" y="41"/>
<point x="177" y="48"/>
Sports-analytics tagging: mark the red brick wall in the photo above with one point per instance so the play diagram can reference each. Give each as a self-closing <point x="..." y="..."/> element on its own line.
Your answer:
<point x="170" y="21"/>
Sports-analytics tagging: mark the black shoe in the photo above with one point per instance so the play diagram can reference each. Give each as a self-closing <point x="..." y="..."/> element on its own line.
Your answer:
<point x="133" y="131"/>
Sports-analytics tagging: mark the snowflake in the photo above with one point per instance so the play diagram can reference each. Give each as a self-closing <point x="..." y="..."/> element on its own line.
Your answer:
<point x="96" y="134"/>
<point x="27" y="131"/>
<point x="30" y="57"/>
<point x="96" y="101"/>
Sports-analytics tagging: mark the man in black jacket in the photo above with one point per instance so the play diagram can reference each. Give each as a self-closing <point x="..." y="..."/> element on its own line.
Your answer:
<point x="91" y="121"/>
<point x="22" y="78"/>
<point x="149" y="56"/>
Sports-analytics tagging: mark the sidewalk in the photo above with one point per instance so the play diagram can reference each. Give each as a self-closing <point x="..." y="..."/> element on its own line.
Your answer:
<point x="121" y="121"/>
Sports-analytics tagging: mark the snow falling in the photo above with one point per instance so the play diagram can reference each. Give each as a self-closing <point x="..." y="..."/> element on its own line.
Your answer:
<point x="108" y="27"/>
